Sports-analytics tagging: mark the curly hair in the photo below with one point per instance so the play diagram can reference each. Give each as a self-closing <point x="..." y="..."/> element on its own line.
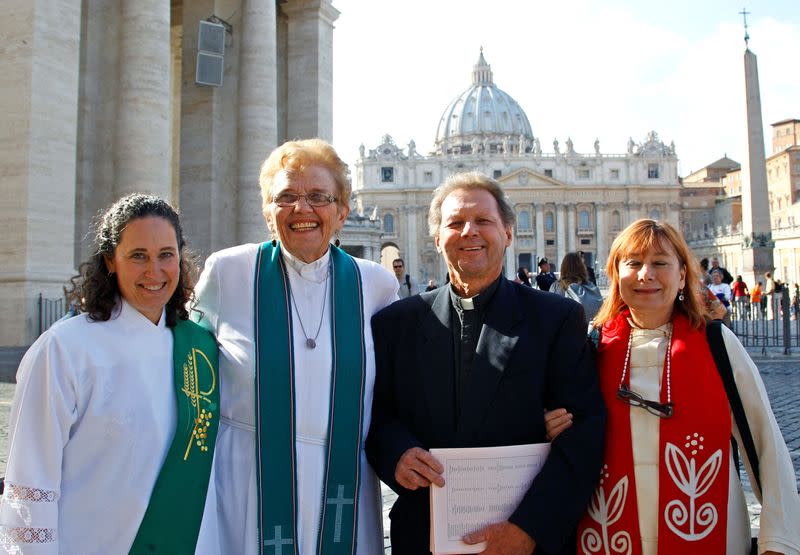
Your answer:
<point x="95" y="291"/>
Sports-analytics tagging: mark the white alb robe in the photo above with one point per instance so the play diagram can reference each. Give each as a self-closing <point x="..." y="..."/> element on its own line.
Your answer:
<point x="93" y="417"/>
<point x="780" y="516"/>
<point x="225" y="295"/>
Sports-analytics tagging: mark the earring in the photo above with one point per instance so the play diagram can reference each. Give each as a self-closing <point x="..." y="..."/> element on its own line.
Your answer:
<point x="336" y="243"/>
<point x="274" y="243"/>
<point x="680" y="294"/>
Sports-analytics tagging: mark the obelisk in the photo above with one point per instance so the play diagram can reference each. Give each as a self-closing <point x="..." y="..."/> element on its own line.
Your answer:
<point x="756" y="228"/>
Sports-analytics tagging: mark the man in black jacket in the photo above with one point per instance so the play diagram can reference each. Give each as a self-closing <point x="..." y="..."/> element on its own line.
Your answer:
<point x="474" y="364"/>
<point x="545" y="278"/>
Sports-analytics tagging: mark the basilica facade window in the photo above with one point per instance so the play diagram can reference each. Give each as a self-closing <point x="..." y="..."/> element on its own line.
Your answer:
<point x="387" y="175"/>
<point x="549" y="223"/>
<point x="388" y="223"/>
<point x="524" y="221"/>
<point x="616" y="221"/>
<point x="652" y="171"/>
<point x="584" y="222"/>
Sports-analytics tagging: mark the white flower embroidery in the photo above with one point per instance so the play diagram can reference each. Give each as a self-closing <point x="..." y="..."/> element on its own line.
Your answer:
<point x="607" y="511"/>
<point x="694" y="484"/>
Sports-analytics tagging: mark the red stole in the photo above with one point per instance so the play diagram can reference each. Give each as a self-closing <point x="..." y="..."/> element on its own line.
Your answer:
<point x="694" y="447"/>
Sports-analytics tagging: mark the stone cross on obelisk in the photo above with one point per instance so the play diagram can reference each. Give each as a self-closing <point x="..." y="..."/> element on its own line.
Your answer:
<point x="756" y="228"/>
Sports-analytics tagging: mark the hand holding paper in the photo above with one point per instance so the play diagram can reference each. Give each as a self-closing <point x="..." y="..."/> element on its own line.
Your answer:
<point x="503" y="538"/>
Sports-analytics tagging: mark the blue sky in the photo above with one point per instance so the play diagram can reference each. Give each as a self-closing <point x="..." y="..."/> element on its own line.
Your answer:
<point x="583" y="69"/>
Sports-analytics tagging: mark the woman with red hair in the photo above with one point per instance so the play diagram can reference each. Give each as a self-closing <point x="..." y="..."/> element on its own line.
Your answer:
<point x="669" y="483"/>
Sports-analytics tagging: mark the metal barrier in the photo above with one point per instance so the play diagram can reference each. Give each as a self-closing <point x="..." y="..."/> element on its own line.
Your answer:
<point x="50" y="311"/>
<point x="766" y="326"/>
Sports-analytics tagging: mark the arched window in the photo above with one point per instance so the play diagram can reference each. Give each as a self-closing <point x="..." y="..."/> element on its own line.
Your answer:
<point x="655" y="214"/>
<point x="616" y="222"/>
<point x="524" y="221"/>
<point x="549" y="225"/>
<point x="583" y="220"/>
<point x="388" y="223"/>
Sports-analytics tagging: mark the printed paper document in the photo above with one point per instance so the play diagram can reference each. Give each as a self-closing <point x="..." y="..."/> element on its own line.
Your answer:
<point x="483" y="485"/>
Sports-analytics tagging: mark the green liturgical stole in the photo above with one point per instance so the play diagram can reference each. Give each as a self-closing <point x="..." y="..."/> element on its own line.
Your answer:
<point x="275" y="409"/>
<point x="172" y="520"/>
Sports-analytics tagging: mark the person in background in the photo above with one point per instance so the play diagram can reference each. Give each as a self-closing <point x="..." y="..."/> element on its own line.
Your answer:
<point x="431" y="285"/>
<point x="741" y="297"/>
<point x="589" y="269"/>
<point x="756" y="301"/>
<point x="721" y="291"/>
<point x="545" y="278"/>
<point x="573" y="284"/>
<point x="705" y="276"/>
<point x="408" y="286"/>
<point x="522" y="276"/>
<point x="669" y="483"/>
<point x="769" y="298"/>
<point x="796" y="301"/>
<point x="110" y="446"/>
<point x="727" y="278"/>
<point x="297" y="366"/>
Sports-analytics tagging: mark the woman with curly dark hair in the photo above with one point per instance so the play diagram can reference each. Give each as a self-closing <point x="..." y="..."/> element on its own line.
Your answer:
<point x="115" y="411"/>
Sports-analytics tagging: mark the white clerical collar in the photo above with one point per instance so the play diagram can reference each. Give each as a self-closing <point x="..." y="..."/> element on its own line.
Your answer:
<point x="313" y="271"/>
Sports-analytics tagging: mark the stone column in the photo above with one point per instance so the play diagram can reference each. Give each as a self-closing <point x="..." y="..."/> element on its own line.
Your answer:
<point x="539" y="235"/>
<point x="511" y="259"/>
<point x="412" y="255"/>
<point x="561" y="239"/>
<point x="40" y="69"/>
<point x="310" y="68"/>
<point x="257" y="112"/>
<point x="143" y="139"/>
<point x="570" y="228"/>
<point x="600" y="228"/>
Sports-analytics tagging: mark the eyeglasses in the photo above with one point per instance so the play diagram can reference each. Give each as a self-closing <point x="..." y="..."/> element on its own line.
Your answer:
<point x="662" y="410"/>
<point x="397" y="267"/>
<point x="314" y="198"/>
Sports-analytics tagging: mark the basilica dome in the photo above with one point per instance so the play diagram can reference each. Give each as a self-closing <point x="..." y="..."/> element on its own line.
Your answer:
<point x="483" y="118"/>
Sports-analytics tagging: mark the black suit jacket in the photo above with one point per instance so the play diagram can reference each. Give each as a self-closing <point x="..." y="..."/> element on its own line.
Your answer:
<point x="532" y="355"/>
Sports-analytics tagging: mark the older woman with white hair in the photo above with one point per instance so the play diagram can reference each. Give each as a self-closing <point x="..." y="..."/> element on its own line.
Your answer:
<point x="297" y="366"/>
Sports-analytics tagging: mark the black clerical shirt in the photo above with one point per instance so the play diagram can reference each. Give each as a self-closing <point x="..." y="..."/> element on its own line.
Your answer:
<point x="466" y="319"/>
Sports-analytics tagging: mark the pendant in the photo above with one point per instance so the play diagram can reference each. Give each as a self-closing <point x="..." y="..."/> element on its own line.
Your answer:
<point x="310" y="343"/>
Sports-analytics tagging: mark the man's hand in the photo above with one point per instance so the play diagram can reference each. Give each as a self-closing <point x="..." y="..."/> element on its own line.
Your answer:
<point x="555" y="422"/>
<point x="503" y="538"/>
<point x="417" y="468"/>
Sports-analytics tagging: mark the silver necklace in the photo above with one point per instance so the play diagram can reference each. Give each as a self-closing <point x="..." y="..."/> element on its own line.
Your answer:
<point x="311" y="342"/>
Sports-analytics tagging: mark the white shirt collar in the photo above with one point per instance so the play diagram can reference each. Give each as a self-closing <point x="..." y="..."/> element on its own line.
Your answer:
<point x="315" y="271"/>
<point x="128" y="314"/>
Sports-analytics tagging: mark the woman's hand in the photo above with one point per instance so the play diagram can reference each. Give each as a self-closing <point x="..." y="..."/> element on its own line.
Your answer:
<point x="555" y="422"/>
